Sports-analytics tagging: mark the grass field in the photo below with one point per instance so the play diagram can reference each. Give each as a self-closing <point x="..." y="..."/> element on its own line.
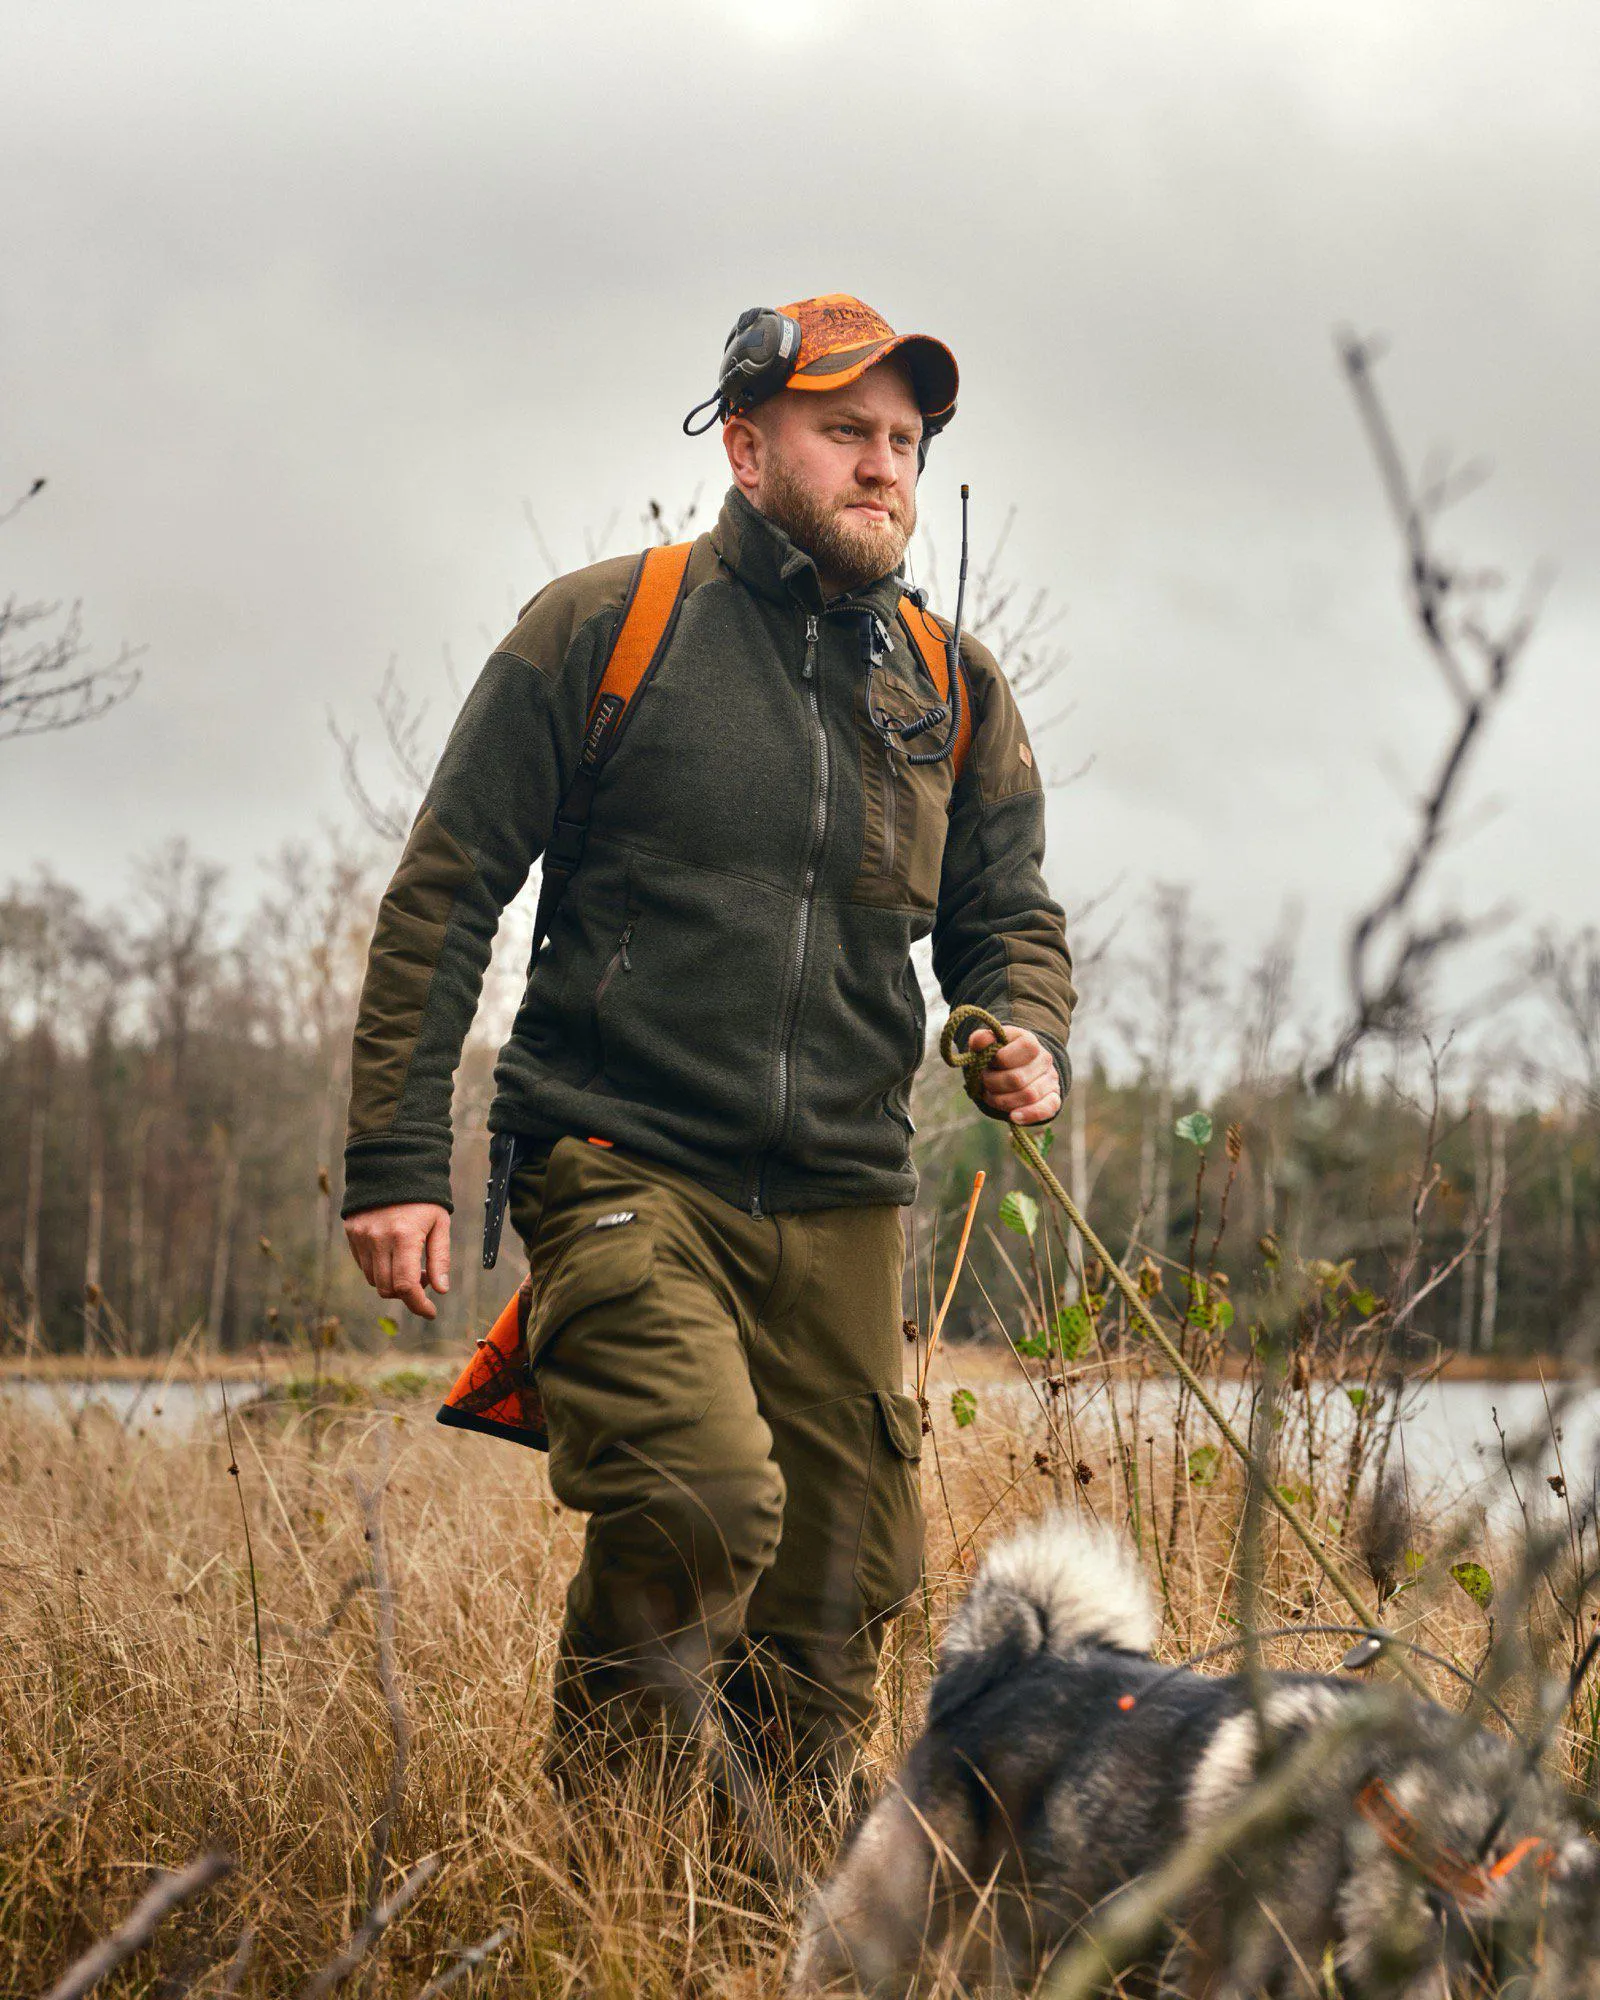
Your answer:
<point x="138" y="1726"/>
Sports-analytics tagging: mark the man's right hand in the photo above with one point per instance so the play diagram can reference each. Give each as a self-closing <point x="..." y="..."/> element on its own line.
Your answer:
<point x="401" y="1249"/>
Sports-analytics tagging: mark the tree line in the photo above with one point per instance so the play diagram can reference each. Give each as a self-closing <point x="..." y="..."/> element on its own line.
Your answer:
<point x="174" y="1068"/>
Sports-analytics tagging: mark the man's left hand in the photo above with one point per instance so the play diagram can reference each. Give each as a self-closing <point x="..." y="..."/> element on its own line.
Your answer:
<point x="1021" y="1082"/>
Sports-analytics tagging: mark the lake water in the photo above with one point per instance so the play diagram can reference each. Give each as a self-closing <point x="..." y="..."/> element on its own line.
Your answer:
<point x="1446" y="1441"/>
<point x="148" y="1408"/>
<point x="1447" y="1438"/>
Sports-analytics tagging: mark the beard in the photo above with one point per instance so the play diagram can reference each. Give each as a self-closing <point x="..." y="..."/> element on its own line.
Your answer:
<point x="852" y="553"/>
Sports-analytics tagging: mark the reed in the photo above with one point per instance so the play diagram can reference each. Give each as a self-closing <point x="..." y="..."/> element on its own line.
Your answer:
<point x="374" y="1770"/>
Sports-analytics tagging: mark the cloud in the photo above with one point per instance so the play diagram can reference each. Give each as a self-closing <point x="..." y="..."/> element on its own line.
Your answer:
<point x="302" y="308"/>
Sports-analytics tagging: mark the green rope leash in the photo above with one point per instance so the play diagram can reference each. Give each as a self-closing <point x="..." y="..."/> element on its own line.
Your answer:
<point x="972" y="1063"/>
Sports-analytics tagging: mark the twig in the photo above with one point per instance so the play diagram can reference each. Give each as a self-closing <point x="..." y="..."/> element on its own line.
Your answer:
<point x="166" y="1894"/>
<point x="371" y="1928"/>
<point x="466" y="1961"/>
<point x="239" y="1964"/>
<point x="371" y="1499"/>
<point x="950" y="1287"/>
<point x="249" y="1552"/>
<point x="1383" y="1000"/>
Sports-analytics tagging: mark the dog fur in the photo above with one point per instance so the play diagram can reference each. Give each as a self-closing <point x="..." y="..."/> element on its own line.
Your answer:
<point x="1038" y="1790"/>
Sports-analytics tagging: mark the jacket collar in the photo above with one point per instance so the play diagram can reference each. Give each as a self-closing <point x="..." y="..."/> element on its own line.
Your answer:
<point x="763" y="557"/>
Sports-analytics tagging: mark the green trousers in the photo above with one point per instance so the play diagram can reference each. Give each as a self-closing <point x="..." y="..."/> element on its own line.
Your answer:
<point x="723" y="1399"/>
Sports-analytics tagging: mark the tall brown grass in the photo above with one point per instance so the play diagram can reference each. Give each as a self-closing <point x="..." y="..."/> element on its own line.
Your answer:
<point x="137" y="1725"/>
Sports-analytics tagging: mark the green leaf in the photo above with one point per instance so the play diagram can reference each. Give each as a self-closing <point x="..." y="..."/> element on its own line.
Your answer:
<point x="1196" y="1127"/>
<point x="1208" y="1309"/>
<point x="963" y="1407"/>
<point x="1035" y="1347"/>
<point x="1074" y="1331"/>
<point x="1203" y="1463"/>
<point x="1476" y="1581"/>
<point x="388" y="1326"/>
<point x="1365" y="1303"/>
<point x="1296" y="1495"/>
<point x="1044" y="1138"/>
<point x="1416" y="1561"/>
<point x="1358" y="1398"/>
<point x="1020" y="1213"/>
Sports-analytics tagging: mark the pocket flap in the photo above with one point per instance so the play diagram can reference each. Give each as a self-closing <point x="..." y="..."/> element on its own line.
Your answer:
<point x="902" y="1420"/>
<point x="599" y="1264"/>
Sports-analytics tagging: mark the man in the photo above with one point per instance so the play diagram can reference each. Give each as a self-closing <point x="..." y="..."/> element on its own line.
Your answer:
<point x="711" y="1068"/>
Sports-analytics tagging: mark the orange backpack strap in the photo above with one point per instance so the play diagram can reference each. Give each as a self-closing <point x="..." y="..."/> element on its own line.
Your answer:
<point x="648" y="616"/>
<point x="933" y="647"/>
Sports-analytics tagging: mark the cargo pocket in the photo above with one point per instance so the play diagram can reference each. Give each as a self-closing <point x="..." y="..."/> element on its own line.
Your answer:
<point x="889" y="1553"/>
<point x="617" y="1352"/>
<point x="607" y="1260"/>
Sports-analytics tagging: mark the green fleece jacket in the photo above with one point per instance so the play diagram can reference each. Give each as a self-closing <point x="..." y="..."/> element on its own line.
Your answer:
<point x="728" y="985"/>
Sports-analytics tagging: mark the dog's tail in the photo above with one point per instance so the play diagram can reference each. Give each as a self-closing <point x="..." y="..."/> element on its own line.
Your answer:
<point x="1052" y="1587"/>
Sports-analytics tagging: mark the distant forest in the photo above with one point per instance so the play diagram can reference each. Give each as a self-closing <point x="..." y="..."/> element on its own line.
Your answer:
<point x="173" y="1080"/>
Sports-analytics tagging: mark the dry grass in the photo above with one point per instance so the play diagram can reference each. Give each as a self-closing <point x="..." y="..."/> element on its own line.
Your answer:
<point x="136" y="1728"/>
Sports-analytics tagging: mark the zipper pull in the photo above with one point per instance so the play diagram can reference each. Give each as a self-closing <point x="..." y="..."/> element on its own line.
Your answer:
<point x="627" y="937"/>
<point x="809" y="667"/>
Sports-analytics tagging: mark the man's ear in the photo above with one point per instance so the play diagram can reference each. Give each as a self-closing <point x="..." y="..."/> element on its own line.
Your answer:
<point x="746" y="448"/>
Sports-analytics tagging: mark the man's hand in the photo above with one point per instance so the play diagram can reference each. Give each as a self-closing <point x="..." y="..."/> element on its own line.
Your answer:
<point x="401" y="1249"/>
<point x="1021" y="1082"/>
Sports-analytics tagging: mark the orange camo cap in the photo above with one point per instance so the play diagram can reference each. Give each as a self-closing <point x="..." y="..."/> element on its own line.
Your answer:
<point x="841" y="338"/>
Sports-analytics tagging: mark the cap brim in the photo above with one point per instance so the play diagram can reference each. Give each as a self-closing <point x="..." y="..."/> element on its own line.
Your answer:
<point x="934" y="376"/>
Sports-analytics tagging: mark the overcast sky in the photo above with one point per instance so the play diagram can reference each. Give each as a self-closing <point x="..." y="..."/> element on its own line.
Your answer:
<point x="302" y="308"/>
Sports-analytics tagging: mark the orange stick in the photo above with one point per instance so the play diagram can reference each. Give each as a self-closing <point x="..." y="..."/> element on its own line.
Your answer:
<point x="949" y="1290"/>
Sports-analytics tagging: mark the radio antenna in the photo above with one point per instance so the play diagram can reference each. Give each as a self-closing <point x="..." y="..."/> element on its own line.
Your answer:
<point x="961" y="586"/>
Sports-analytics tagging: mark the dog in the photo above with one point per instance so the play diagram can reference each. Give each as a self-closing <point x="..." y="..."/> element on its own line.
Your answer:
<point x="1060" y="1763"/>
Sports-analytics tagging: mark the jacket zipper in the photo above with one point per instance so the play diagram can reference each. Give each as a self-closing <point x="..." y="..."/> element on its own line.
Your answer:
<point x="802" y="928"/>
<point x="618" y="957"/>
<point x="889" y="811"/>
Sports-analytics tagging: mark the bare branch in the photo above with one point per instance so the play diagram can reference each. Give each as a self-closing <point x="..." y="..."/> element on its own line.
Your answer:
<point x="372" y="1927"/>
<point x="166" y="1894"/>
<point x="466" y="1961"/>
<point x="1390" y="952"/>
<point x="22" y="500"/>
<point x="46" y="680"/>
<point x="384" y="820"/>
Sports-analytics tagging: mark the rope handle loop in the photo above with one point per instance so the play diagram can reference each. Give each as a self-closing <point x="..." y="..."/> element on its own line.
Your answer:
<point x="971" y="1062"/>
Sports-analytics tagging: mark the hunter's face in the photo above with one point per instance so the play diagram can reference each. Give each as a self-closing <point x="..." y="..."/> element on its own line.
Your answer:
<point x="837" y="470"/>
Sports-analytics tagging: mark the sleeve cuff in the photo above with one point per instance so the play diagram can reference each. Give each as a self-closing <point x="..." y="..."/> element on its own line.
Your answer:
<point x="1062" y="1061"/>
<point x="397" y="1167"/>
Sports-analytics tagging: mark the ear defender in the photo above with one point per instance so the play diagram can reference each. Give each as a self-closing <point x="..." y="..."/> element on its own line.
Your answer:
<point x="757" y="360"/>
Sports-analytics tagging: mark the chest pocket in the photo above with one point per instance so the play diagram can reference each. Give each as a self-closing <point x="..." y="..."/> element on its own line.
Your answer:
<point x="904" y="805"/>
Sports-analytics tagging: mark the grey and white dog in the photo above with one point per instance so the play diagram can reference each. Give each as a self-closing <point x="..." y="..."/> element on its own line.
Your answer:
<point x="1060" y="1763"/>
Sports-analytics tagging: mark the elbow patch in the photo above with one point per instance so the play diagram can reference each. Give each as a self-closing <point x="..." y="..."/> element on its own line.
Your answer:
<point x="412" y="921"/>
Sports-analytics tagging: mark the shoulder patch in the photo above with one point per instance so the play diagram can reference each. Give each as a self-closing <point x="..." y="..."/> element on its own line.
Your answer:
<point x="551" y="620"/>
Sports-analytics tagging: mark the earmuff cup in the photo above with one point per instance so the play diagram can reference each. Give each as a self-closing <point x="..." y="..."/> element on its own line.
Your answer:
<point x="758" y="358"/>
